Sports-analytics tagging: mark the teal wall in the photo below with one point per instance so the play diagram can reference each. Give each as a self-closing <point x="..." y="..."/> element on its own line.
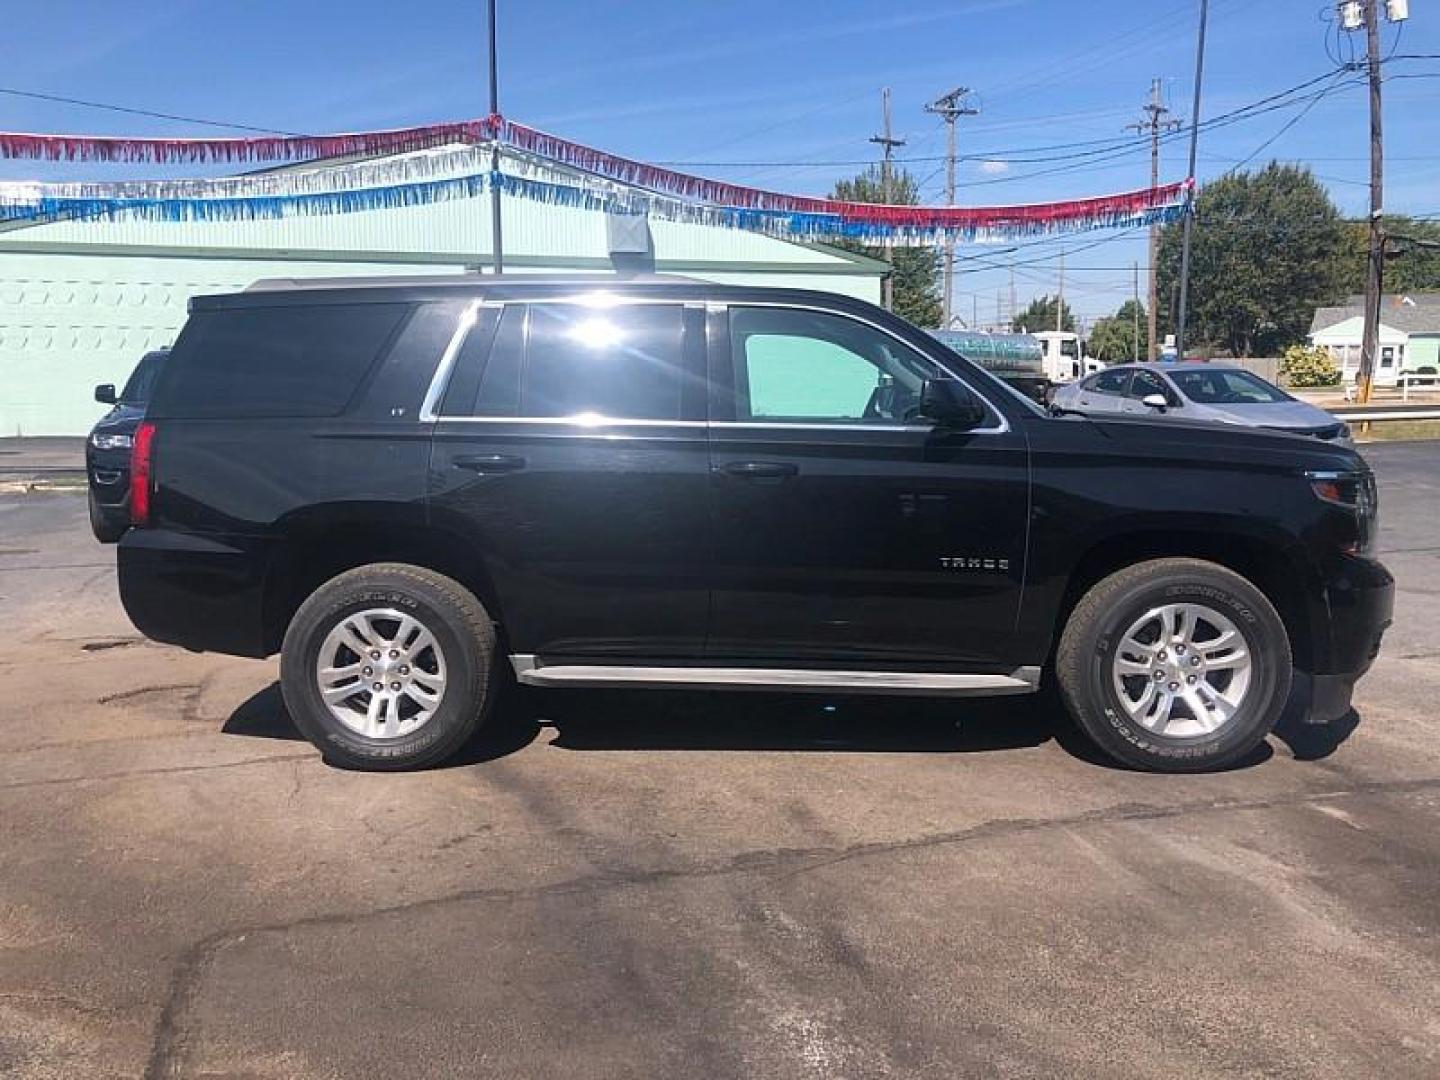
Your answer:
<point x="68" y="322"/>
<point x="1423" y="350"/>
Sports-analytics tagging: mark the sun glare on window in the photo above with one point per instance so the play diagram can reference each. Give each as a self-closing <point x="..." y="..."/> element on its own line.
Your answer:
<point x="596" y="333"/>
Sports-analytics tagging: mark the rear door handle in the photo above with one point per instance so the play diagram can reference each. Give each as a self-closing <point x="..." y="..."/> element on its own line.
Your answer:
<point x="489" y="463"/>
<point x="771" y="471"/>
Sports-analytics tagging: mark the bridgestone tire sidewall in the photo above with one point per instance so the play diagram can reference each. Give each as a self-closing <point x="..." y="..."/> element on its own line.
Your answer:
<point x="1242" y="732"/>
<point x="465" y="691"/>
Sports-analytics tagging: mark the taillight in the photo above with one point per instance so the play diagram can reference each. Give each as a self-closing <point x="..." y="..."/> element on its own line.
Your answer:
<point x="141" y="463"/>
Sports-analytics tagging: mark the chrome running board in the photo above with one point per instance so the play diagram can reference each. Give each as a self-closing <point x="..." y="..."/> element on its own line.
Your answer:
<point x="531" y="672"/>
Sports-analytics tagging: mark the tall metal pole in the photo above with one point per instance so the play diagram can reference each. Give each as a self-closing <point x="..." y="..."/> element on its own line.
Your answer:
<point x="1135" y="311"/>
<point x="1375" y="264"/>
<point x="496" y="240"/>
<point x="1190" y="206"/>
<point x="1060" y="300"/>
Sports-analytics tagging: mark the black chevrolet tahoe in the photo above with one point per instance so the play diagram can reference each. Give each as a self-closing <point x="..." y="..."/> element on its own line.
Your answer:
<point x="415" y="489"/>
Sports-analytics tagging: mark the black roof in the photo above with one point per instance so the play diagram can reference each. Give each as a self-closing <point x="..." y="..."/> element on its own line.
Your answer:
<point x="410" y="288"/>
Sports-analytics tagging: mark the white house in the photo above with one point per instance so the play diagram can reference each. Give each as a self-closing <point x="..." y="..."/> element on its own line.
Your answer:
<point x="1409" y="335"/>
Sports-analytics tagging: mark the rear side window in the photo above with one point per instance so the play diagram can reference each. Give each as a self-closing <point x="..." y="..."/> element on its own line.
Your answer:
<point x="569" y="360"/>
<point x="291" y="361"/>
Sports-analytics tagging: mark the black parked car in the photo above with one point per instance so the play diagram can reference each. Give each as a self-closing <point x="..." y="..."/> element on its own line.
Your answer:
<point x="107" y="450"/>
<point x="405" y="486"/>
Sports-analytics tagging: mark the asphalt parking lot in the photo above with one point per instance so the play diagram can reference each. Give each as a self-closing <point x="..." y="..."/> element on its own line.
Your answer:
<point x="631" y="885"/>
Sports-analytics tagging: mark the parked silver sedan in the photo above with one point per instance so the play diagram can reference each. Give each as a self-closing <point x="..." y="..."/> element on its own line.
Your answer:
<point x="1193" y="391"/>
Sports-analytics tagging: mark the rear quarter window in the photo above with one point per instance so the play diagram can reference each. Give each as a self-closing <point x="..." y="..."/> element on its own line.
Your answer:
<point x="288" y="361"/>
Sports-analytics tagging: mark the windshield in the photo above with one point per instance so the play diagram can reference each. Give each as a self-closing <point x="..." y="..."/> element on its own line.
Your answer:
<point x="142" y="379"/>
<point x="1226" y="386"/>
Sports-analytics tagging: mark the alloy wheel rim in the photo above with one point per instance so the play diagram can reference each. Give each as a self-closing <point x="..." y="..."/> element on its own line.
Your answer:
<point x="1182" y="670"/>
<point x="381" y="673"/>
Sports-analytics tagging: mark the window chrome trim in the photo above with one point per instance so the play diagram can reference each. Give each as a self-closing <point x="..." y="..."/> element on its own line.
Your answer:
<point x="470" y="316"/>
<point x="441" y="379"/>
<point x="598" y="423"/>
<point x="994" y="429"/>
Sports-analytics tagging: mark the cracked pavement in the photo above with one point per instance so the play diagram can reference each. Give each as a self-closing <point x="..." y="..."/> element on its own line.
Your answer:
<point x="637" y="885"/>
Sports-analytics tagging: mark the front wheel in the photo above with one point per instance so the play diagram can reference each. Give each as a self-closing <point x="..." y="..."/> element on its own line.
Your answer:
<point x="1175" y="665"/>
<point x="107" y="525"/>
<point x="389" y="666"/>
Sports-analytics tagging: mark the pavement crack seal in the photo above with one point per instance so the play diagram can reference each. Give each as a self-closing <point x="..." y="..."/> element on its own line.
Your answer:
<point x="168" y="1043"/>
<point x="130" y="774"/>
<point x="116" y="643"/>
<point x="147" y="691"/>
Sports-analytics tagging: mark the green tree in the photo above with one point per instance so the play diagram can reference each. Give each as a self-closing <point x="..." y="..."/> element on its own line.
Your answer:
<point x="1114" y="338"/>
<point x="1412" y="255"/>
<point x="915" y="293"/>
<point x="1040" y="315"/>
<point x="1267" y="249"/>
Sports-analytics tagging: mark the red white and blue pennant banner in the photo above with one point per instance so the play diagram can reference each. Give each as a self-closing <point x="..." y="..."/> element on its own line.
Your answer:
<point x="443" y="163"/>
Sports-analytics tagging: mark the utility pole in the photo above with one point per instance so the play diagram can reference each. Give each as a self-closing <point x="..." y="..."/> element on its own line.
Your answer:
<point x="1375" y="263"/>
<point x="949" y="107"/>
<point x="1154" y="125"/>
<point x="1013" y="308"/>
<point x="1135" y="311"/>
<point x="496" y="240"/>
<point x="888" y="144"/>
<point x="1190" y="175"/>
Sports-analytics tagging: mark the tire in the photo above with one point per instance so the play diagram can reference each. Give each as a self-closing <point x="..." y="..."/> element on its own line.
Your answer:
<point x="1112" y="648"/>
<point x="103" y="524"/>
<point x="443" y="684"/>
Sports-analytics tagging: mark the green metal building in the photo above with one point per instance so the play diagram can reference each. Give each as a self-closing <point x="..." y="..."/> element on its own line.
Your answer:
<point x="80" y="301"/>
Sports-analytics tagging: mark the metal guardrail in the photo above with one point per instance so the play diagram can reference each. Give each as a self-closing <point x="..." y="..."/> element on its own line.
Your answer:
<point x="1377" y="415"/>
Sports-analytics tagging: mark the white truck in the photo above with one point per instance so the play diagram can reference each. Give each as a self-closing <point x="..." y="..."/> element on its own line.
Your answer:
<point x="1064" y="356"/>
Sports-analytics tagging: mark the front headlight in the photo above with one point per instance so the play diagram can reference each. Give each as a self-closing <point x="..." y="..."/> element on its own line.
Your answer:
<point x="1354" y="491"/>
<point x="101" y="441"/>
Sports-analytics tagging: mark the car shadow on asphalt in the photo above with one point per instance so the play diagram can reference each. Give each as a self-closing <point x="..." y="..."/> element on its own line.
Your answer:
<point x="668" y="720"/>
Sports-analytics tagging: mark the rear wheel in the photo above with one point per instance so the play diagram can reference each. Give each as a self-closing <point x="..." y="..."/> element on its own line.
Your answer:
<point x="389" y="666"/>
<point x="1175" y="665"/>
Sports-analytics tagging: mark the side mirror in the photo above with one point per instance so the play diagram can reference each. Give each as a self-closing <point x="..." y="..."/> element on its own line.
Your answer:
<point x="105" y="393"/>
<point x="1155" y="401"/>
<point x="950" y="404"/>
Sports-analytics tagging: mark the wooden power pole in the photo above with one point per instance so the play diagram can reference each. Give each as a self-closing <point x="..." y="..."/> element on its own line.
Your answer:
<point x="950" y="107"/>
<point x="1155" y="124"/>
<point x="887" y="143"/>
<point x="1375" y="263"/>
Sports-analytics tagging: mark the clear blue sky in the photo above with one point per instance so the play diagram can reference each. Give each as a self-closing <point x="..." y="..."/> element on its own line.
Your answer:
<point x="750" y="83"/>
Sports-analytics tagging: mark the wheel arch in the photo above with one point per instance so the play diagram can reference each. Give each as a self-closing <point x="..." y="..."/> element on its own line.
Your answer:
<point x="317" y="550"/>
<point x="1272" y="567"/>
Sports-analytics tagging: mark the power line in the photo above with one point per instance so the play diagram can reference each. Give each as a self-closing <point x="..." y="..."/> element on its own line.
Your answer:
<point x="108" y="107"/>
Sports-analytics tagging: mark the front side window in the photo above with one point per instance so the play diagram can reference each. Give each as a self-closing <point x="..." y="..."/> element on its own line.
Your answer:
<point x="1146" y="383"/>
<point x="809" y="366"/>
<point x="1112" y="382"/>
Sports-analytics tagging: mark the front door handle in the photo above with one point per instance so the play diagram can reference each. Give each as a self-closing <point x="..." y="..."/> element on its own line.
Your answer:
<point x="489" y="463"/>
<point x="760" y="471"/>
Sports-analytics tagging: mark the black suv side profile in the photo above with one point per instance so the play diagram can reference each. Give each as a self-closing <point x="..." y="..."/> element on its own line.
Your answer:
<point x="407" y="487"/>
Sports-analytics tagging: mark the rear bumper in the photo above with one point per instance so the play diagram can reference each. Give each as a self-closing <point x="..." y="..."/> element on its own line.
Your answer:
<point x="201" y="593"/>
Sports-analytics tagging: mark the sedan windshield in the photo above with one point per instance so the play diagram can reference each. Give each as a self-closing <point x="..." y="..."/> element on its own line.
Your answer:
<point x="142" y="379"/>
<point x="1226" y="386"/>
